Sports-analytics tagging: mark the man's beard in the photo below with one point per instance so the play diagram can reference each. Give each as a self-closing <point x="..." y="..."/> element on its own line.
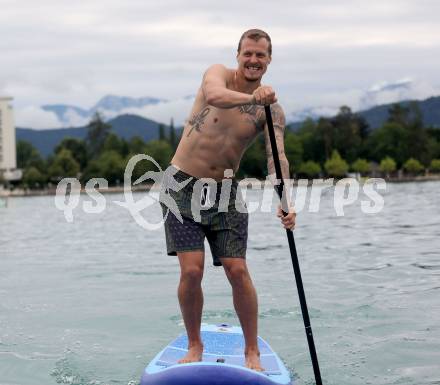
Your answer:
<point x="252" y="80"/>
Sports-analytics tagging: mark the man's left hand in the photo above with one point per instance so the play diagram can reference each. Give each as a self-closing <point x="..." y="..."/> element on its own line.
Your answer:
<point x="288" y="221"/>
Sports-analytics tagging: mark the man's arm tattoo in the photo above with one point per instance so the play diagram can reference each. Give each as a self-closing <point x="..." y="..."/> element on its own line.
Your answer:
<point x="255" y="113"/>
<point x="248" y="109"/>
<point x="279" y="123"/>
<point x="197" y="121"/>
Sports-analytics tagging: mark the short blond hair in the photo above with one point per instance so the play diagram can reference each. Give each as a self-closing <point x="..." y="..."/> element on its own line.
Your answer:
<point x="255" y="34"/>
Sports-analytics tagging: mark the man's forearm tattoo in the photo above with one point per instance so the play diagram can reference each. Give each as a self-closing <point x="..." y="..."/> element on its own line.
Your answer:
<point x="197" y="121"/>
<point x="277" y="117"/>
<point x="279" y="123"/>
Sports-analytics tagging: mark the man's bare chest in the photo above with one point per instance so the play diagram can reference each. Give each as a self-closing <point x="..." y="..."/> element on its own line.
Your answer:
<point x="243" y="122"/>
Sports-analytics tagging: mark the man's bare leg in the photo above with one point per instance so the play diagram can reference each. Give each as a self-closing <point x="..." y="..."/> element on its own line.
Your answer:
<point x="246" y="306"/>
<point x="191" y="301"/>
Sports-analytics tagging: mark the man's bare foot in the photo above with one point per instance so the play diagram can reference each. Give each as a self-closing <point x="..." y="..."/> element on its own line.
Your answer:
<point x="195" y="353"/>
<point x="253" y="360"/>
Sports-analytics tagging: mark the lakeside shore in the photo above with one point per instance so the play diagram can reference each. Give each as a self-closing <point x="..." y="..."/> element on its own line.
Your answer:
<point x="19" y="192"/>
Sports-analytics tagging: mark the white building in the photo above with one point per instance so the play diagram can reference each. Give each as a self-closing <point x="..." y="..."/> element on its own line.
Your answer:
<point x="8" y="155"/>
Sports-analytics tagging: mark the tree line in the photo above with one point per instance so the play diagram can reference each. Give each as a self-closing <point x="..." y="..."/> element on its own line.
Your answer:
<point x="102" y="154"/>
<point x="345" y="143"/>
<point x="325" y="147"/>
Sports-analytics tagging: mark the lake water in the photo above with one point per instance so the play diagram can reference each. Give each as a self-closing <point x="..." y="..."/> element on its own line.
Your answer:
<point x="92" y="301"/>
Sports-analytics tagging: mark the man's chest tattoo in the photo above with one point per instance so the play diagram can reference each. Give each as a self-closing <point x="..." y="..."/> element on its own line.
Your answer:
<point x="253" y="114"/>
<point x="248" y="109"/>
<point x="198" y="120"/>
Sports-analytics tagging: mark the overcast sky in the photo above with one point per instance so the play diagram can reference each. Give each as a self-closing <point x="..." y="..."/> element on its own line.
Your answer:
<point x="325" y="53"/>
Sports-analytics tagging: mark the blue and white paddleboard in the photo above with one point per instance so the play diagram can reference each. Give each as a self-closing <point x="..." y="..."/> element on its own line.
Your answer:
<point x="223" y="362"/>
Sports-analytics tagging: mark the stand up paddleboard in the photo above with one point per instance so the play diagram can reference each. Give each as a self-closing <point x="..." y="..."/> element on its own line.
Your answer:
<point x="223" y="362"/>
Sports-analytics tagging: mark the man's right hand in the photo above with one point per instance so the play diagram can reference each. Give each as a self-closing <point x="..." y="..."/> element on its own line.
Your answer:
<point x="264" y="95"/>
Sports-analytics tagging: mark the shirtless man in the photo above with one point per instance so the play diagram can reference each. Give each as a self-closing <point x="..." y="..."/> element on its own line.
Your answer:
<point x="227" y="115"/>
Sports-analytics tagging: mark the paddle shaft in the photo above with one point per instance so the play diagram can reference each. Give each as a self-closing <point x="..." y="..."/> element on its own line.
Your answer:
<point x="294" y="256"/>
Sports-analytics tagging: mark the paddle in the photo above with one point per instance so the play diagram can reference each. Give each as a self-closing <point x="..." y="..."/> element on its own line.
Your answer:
<point x="302" y="298"/>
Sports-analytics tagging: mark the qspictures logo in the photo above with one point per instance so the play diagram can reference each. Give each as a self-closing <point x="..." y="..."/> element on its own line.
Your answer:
<point x="164" y="186"/>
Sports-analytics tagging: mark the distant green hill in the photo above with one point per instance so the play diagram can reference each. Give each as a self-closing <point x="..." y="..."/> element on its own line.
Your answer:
<point x="125" y="126"/>
<point x="430" y="109"/>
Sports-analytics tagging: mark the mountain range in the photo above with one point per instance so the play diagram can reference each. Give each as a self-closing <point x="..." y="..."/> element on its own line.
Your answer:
<point x="430" y="109"/>
<point x="125" y="126"/>
<point x="108" y="106"/>
<point x="129" y="125"/>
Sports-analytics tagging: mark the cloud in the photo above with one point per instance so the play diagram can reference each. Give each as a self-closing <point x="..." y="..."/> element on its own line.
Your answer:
<point x="357" y="99"/>
<point x="387" y="86"/>
<point x="392" y="92"/>
<point x="73" y="119"/>
<point x="178" y="110"/>
<point x="35" y="117"/>
<point x="325" y="53"/>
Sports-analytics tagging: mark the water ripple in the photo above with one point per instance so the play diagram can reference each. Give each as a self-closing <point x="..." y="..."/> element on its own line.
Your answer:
<point x="426" y="267"/>
<point x="372" y="268"/>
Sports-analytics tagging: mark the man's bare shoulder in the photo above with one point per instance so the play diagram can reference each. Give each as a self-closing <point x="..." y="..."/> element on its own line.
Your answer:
<point x="219" y="70"/>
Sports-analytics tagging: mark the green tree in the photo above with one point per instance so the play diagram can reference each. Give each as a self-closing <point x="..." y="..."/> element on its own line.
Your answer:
<point x="172" y="139"/>
<point x="407" y="137"/>
<point x="387" y="166"/>
<point x="293" y="150"/>
<point x="33" y="178"/>
<point x="434" y="133"/>
<point x="28" y="156"/>
<point x="160" y="151"/>
<point x="136" y="146"/>
<point x="162" y="131"/>
<point x="326" y="131"/>
<point x="254" y="163"/>
<point x="63" y="165"/>
<point x="310" y="169"/>
<point x="418" y="138"/>
<point x="413" y="166"/>
<point x="434" y="141"/>
<point x="78" y="149"/>
<point x="347" y="137"/>
<point x="109" y="165"/>
<point x="336" y="166"/>
<point x="115" y="143"/>
<point x="362" y="166"/>
<point x="435" y="165"/>
<point x="389" y="140"/>
<point x="399" y="114"/>
<point x="97" y="133"/>
<point x="364" y="127"/>
<point x="312" y="141"/>
<point x="91" y="171"/>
